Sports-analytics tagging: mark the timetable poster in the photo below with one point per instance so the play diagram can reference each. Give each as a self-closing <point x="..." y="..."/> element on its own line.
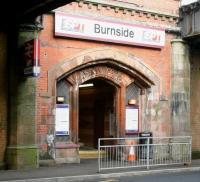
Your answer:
<point x="132" y="115"/>
<point x="62" y="119"/>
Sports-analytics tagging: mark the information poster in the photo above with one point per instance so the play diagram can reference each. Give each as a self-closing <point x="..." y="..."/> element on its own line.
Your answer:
<point x="132" y="115"/>
<point x="62" y="119"/>
<point x="30" y="56"/>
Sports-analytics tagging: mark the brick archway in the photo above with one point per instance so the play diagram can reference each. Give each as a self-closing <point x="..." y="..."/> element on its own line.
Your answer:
<point x="112" y="75"/>
<point x="109" y="74"/>
<point x="143" y="75"/>
<point x="118" y="67"/>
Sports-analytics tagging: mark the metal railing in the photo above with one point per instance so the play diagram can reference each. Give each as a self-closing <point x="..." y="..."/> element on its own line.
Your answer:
<point x="143" y="152"/>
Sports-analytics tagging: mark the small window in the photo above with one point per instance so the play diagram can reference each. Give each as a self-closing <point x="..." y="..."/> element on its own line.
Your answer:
<point x="132" y="93"/>
<point x="63" y="89"/>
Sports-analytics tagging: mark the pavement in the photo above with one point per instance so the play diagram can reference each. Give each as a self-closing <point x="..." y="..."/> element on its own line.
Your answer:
<point x="86" y="170"/>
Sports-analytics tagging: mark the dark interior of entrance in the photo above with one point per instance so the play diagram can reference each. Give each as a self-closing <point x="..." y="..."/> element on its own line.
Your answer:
<point x="96" y="112"/>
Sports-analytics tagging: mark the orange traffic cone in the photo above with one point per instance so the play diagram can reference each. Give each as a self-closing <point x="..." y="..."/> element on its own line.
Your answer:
<point x="131" y="156"/>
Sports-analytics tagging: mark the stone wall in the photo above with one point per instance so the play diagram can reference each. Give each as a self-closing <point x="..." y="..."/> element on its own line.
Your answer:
<point x="180" y="88"/>
<point x="21" y="147"/>
<point x="195" y="95"/>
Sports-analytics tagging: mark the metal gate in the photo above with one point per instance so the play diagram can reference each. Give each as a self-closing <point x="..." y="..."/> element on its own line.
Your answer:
<point x="143" y="152"/>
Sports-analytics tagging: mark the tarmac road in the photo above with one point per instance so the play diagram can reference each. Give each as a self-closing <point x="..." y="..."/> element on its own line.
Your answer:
<point x="170" y="177"/>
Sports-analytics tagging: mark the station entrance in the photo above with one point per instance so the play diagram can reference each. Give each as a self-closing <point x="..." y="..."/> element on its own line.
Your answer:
<point x="97" y="95"/>
<point x="97" y="112"/>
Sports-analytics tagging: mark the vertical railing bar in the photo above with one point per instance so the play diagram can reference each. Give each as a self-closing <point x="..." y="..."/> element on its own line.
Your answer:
<point x="176" y="156"/>
<point x="109" y="157"/>
<point x="117" y="155"/>
<point x="114" y="157"/>
<point x="163" y="153"/>
<point x="122" y="155"/>
<point x="190" y="149"/>
<point x="103" y="157"/>
<point x="171" y="153"/>
<point x="161" y="157"/>
<point x="106" y="157"/>
<point x="184" y="147"/>
<point x="137" y="155"/>
<point x="156" y="160"/>
<point x="183" y="153"/>
<point x="186" y="153"/>
<point x="148" y="153"/>
<point x="99" y="165"/>
<point x="142" y="152"/>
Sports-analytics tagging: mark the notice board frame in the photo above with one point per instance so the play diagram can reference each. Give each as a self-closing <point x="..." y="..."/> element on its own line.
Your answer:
<point x="65" y="129"/>
<point x="129" y="128"/>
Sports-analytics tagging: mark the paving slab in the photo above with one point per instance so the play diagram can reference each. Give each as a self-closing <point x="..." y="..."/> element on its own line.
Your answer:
<point x="87" y="169"/>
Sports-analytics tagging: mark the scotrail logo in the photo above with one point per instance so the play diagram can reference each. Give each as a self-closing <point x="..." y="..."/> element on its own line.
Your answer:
<point x="72" y="26"/>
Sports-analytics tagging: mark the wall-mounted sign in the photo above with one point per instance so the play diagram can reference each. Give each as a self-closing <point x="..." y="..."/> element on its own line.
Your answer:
<point x="30" y="56"/>
<point x="109" y="31"/>
<point x="132" y="115"/>
<point x="62" y="119"/>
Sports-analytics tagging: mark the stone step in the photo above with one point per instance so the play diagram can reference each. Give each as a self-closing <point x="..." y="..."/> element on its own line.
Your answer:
<point x="89" y="154"/>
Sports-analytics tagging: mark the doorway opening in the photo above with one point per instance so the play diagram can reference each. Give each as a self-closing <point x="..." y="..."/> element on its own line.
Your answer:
<point x="97" y="115"/>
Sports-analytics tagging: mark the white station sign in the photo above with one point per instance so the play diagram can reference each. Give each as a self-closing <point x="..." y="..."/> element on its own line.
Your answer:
<point x="82" y="27"/>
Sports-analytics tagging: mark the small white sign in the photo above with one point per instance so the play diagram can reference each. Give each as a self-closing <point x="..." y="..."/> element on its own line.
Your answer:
<point x="186" y="2"/>
<point x="62" y="119"/>
<point x="95" y="29"/>
<point x="131" y="119"/>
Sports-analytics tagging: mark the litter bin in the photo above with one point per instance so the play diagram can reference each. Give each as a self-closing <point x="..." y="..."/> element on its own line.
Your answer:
<point x="143" y="141"/>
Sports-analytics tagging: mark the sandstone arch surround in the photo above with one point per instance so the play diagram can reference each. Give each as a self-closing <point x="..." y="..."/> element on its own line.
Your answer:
<point x="143" y="75"/>
<point x="117" y="67"/>
<point x="113" y="76"/>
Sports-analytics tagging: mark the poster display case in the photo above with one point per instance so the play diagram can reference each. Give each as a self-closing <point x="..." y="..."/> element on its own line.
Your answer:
<point x="62" y="119"/>
<point x="132" y="119"/>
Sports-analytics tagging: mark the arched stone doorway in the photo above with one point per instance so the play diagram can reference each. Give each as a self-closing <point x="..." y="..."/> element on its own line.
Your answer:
<point x="120" y="72"/>
<point x="116" y="82"/>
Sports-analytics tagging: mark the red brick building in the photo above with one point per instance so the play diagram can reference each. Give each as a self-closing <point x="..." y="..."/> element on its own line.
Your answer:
<point x="127" y="58"/>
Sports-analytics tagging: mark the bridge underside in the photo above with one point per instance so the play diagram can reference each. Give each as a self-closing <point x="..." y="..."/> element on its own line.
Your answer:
<point x="23" y="11"/>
